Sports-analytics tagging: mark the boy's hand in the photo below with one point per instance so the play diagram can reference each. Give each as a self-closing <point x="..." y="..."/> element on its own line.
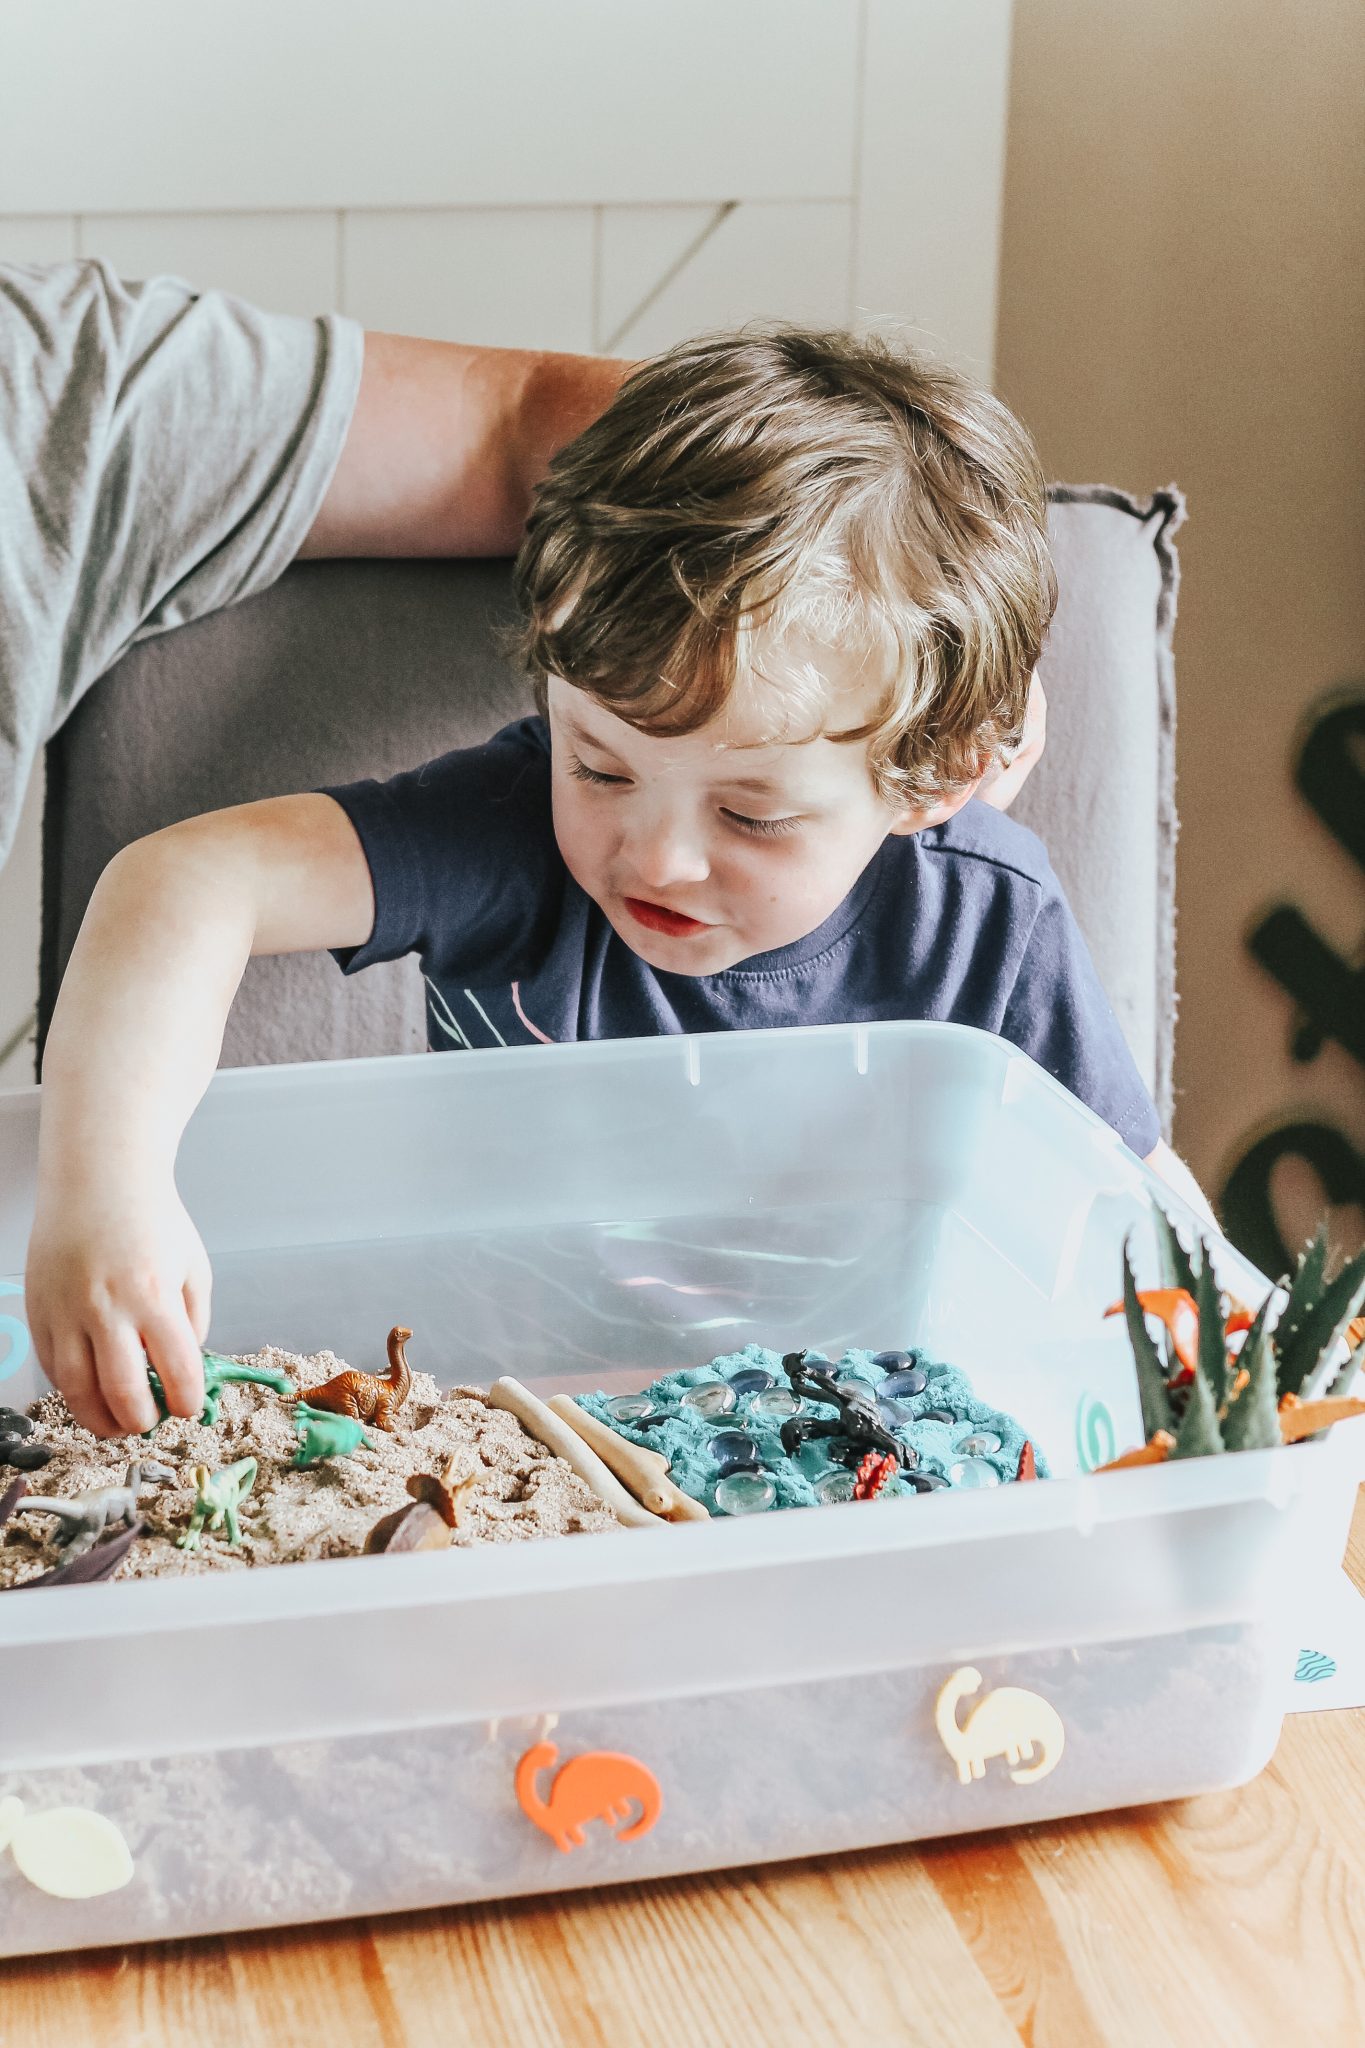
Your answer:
<point x="1002" y="784"/>
<point x="118" y="1280"/>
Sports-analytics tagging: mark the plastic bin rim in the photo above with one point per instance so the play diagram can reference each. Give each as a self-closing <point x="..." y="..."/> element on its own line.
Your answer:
<point x="640" y="1558"/>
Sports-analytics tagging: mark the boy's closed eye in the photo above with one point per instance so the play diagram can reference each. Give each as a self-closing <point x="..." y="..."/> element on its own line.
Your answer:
<point x="758" y="827"/>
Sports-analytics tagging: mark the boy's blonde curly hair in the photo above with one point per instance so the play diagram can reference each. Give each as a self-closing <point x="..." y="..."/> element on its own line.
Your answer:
<point x="748" y="499"/>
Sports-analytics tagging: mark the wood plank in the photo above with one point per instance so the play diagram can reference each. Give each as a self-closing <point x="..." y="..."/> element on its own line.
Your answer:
<point x="931" y="173"/>
<point x="337" y="103"/>
<point x="286" y="262"/>
<point x="500" y="276"/>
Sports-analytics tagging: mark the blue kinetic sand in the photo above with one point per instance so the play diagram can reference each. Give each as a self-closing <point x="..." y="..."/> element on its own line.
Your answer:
<point x="978" y="1446"/>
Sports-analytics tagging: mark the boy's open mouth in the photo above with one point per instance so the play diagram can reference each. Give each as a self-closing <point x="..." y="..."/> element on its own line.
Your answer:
<point x="657" y="919"/>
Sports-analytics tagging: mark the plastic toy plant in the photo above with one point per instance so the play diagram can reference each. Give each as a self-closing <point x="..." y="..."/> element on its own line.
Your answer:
<point x="322" y="1435"/>
<point x="219" y="1373"/>
<point x="1198" y="1396"/>
<point x="218" y="1496"/>
<point x="599" y="1785"/>
<point x="367" y="1396"/>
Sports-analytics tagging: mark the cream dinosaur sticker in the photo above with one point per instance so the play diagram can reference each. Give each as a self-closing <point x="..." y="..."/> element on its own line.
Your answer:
<point x="1007" y="1722"/>
<point x="69" y="1851"/>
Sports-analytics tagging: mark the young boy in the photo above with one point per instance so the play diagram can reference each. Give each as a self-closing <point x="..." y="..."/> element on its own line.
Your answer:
<point x="784" y="601"/>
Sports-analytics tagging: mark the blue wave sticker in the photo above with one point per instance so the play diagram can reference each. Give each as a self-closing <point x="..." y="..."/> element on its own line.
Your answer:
<point x="1096" y="1438"/>
<point x="13" y="1335"/>
<point x="1313" y="1665"/>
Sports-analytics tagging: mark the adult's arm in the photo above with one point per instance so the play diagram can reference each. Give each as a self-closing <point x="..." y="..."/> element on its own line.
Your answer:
<point x="447" y="442"/>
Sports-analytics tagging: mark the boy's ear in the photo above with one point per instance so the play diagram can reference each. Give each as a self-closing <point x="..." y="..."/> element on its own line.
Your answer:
<point x="910" y="821"/>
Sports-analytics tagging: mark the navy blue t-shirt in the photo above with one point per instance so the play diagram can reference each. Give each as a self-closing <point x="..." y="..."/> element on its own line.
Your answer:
<point x="963" y="923"/>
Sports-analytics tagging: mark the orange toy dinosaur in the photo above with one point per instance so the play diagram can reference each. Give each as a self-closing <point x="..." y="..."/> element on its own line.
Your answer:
<point x="599" y="1785"/>
<point x="368" y="1396"/>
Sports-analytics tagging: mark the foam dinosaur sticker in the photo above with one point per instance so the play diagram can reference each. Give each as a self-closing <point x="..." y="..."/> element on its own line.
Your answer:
<point x="71" y="1852"/>
<point x="1008" y="1722"/>
<point x="599" y="1785"/>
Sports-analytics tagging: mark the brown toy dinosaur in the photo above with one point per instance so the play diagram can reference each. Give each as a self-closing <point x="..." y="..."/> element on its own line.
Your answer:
<point x="368" y="1396"/>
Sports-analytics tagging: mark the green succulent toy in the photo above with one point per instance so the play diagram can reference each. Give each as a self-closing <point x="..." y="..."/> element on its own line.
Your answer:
<point x="1198" y="1396"/>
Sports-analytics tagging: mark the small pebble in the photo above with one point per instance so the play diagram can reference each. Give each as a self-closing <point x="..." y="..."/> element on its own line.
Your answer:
<point x="911" y="1381"/>
<point x="12" y="1423"/>
<point x="752" y="1380"/>
<point x="745" y="1493"/>
<point x="715" y="1398"/>
<point x="834" y="1486"/>
<point x="734" y="1450"/>
<point x="25" y="1457"/>
<point x="978" y="1443"/>
<point x="973" y="1472"/>
<point x="629" y="1407"/>
<point x="776" y="1404"/>
<point x="891" y="1361"/>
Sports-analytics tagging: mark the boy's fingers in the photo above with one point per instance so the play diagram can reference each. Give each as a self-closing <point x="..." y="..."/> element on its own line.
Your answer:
<point x="121" y="1365"/>
<point x="174" y="1352"/>
<point x="197" y="1293"/>
<point x="72" y="1370"/>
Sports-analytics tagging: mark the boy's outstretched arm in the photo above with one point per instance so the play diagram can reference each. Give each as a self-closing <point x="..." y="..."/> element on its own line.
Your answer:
<point x="447" y="442"/>
<point x="116" y="1269"/>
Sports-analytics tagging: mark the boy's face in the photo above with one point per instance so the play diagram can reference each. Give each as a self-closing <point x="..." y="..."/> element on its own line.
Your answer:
<point x="706" y="849"/>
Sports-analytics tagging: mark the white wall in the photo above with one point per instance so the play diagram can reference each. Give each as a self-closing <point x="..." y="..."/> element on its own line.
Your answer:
<point x="595" y="175"/>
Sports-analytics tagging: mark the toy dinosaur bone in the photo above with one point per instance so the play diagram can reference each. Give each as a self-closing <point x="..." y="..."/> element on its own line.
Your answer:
<point x="554" y="1432"/>
<point x="218" y="1496"/>
<point x="85" y="1517"/>
<point x="644" y="1472"/>
<point x="323" y="1435"/>
<point x="1008" y="1722"/>
<point x="367" y="1396"/>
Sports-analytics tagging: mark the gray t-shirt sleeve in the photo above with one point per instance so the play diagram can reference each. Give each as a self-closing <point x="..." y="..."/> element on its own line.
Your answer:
<point x="163" y="452"/>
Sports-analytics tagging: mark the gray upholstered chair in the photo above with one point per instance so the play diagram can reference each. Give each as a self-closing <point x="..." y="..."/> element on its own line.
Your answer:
<point x="352" y="668"/>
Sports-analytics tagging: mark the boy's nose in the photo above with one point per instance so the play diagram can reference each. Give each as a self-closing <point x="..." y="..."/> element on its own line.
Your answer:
<point x="667" y="858"/>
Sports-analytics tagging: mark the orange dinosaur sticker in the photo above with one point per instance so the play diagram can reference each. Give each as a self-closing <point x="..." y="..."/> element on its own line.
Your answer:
<point x="599" y="1785"/>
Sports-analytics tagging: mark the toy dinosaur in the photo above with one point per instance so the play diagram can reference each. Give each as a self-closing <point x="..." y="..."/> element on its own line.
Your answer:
<point x="367" y="1396"/>
<point x="86" y="1516"/>
<point x="323" y="1435"/>
<point x="219" y="1373"/>
<point x="218" y="1496"/>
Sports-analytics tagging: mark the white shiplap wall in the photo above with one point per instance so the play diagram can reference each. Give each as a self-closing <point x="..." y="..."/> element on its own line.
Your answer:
<point x="575" y="174"/>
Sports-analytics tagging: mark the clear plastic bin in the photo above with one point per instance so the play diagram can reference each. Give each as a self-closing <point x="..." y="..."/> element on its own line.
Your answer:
<point x="343" y="1737"/>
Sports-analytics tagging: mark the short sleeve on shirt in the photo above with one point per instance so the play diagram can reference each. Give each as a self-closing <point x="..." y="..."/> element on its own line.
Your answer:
<point x="463" y="859"/>
<point x="163" y="452"/>
<point x="1059" y="1014"/>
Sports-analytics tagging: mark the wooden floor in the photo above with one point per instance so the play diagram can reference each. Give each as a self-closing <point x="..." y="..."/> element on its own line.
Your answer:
<point x="1225" y="1922"/>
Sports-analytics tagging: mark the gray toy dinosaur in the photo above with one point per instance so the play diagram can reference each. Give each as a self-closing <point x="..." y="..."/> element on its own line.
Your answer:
<point x="86" y="1516"/>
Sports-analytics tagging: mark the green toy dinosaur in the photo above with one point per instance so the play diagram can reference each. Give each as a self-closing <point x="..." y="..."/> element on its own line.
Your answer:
<point x="218" y="1373"/>
<point x="219" y="1495"/>
<point x="323" y="1435"/>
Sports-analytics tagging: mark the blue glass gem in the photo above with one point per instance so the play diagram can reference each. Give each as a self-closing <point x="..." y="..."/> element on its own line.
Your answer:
<point x="834" y="1486"/>
<point x="859" y="1391"/>
<point x="891" y="1361"/>
<point x="733" y="1451"/>
<point x="926" y="1482"/>
<point x="978" y="1443"/>
<point x="752" y="1380"/>
<point x="745" y="1493"/>
<point x="895" y="1414"/>
<point x="938" y="1415"/>
<point x="712" y="1398"/>
<point x="629" y="1407"/>
<point x="776" y="1404"/>
<point x="970" y="1472"/>
<point x="910" y="1381"/>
